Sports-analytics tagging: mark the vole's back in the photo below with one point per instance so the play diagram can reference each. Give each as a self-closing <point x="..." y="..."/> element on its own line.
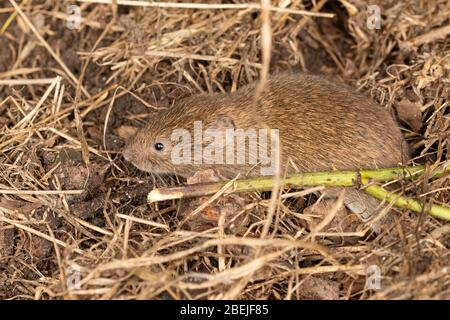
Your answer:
<point x="323" y="125"/>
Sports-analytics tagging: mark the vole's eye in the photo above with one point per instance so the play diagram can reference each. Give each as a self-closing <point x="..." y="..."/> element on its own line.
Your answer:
<point x="159" y="146"/>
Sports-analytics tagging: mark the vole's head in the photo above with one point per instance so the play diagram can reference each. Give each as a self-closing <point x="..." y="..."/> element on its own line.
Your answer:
<point x="150" y="148"/>
<point x="166" y="144"/>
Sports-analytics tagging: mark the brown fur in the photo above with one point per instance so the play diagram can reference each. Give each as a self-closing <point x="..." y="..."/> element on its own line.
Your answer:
<point x="322" y="126"/>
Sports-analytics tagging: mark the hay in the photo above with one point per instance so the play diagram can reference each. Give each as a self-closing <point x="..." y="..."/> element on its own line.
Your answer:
<point x="59" y="87"/>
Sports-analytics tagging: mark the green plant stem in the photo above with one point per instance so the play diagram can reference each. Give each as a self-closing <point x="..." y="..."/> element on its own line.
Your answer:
<point x="407" y="203"/>
<point x="327" y="179"/>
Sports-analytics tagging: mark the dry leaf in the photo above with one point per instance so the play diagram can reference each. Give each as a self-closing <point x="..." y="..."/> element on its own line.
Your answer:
<point x="126" y="132"/>
<point x="317" y="288"/>
<point x="410" y="113"/>
<point x="343" y="220"/>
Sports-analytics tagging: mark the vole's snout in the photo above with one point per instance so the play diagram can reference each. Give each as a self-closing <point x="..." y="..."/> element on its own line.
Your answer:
<point x="135" y="154"/>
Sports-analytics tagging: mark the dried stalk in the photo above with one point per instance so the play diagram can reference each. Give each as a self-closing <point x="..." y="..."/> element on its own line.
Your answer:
<point x="328" y="179"/>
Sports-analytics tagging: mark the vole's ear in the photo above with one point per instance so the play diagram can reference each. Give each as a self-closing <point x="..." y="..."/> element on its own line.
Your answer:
<point x="221" y="123"/>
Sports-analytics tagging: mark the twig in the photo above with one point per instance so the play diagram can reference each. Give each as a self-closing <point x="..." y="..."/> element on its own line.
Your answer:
<point x="266" y="45"/>
<point x="328" y="179"/>
<point x="23" y="82"/>
<point x="143" y="221"/>
<point x="433" y="35"/>
<point x="40" y="192"/>
<point x="8" y="22"/>
<point x="407" y="203"/>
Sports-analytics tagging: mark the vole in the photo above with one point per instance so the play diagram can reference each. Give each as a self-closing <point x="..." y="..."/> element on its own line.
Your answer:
<point x="322" y="125"/>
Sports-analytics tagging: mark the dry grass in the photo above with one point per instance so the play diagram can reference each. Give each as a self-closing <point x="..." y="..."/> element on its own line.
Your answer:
<point x="59" y="87"/>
